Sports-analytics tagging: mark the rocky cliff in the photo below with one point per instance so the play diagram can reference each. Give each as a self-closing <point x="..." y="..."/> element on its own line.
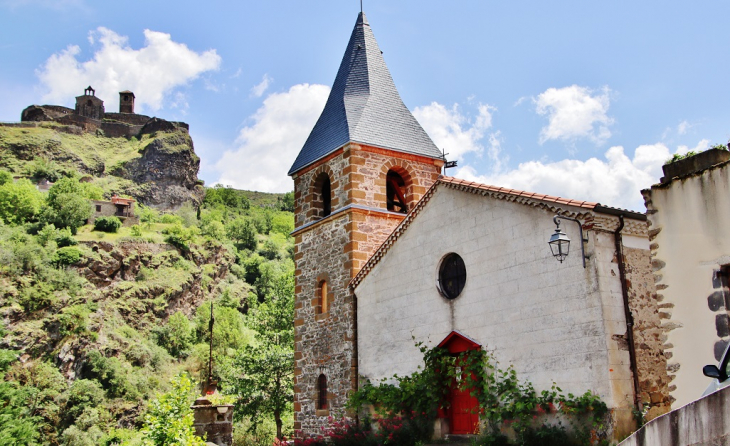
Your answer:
<point x="158" y="167"/>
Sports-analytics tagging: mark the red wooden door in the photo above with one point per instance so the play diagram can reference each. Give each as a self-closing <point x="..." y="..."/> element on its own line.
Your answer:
<point x="464" y="411"/>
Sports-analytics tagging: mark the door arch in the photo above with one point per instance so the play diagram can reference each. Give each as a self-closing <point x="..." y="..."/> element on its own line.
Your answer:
<point x="463" y="412"/>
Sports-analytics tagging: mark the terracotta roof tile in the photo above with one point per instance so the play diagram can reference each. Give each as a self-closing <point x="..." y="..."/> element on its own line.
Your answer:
<point x="519" y="193"/>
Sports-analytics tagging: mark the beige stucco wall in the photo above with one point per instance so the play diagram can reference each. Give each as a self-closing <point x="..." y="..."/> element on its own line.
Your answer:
<point x="554" y="322"/>
<point x="690" y="242"/>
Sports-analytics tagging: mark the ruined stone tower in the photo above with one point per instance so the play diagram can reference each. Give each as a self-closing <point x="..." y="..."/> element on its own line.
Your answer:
<point x="366" y="162"/>
<point x="126" y="102"/>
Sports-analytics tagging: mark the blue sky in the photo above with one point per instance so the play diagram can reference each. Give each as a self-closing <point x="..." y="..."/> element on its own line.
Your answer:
<point x="572" y="98"/>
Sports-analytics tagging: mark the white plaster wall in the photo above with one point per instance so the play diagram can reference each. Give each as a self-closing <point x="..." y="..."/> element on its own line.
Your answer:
<point x="552" y="321"/>
<point x="694" y="241"/>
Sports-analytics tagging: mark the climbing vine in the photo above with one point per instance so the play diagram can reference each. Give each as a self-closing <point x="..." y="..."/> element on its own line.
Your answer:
<point x="505" y="402"/>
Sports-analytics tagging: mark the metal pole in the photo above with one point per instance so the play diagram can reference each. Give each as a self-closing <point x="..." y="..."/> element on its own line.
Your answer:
<point x="210" y="361"/>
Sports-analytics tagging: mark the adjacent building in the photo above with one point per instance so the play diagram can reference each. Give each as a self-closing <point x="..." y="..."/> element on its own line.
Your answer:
<point x="690" y="247"/>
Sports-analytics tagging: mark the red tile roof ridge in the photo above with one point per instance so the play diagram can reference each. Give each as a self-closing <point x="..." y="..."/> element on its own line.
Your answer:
<point x="519" y="193"/>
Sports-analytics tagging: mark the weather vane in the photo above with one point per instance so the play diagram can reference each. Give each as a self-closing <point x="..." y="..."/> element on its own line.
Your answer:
<point x="447" y="164"/>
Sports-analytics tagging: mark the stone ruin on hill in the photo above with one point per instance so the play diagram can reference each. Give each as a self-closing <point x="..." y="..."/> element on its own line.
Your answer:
<point x="90" y="116"/>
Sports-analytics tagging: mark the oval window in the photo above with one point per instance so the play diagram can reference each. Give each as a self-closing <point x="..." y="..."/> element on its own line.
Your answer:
<point x="452" y="276"/>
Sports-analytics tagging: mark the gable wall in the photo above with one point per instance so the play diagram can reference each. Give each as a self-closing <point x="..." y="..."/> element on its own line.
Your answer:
<point x="690" y="242"/>
<point x="554" y="322"/>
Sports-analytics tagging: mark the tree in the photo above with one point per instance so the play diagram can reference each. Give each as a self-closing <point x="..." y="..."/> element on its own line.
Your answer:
<point x="20" y="202"/>
<point x="75" y="187"/>
<point x="176" y="336"/>
<point x="169" y="419"/>
<point x="67" y="210"/>
<point x="264" y="384"/>
<point x="242" y="232"/>
<point x="286" y="203"/>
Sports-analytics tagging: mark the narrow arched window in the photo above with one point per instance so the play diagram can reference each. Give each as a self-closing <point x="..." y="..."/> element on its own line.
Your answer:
<point x="326" y="197"/>
<point x="395" y="192"/>
<point x="322" y="195"/>
<point x="322" y="392"/>
<point x="322" y="297"/>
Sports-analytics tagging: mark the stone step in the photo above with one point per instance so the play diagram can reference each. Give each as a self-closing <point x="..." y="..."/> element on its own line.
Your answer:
<point x="456" y="440"/>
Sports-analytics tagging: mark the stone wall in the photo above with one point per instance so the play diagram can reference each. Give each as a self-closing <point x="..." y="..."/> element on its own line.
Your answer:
<point x="215" y="427"/>
<point x="128" y="118"/>
<point x="690" y="248"/>
<point x="323" y="342"/>
<point x="648" y="334"/>
<point x="705" y="422"/>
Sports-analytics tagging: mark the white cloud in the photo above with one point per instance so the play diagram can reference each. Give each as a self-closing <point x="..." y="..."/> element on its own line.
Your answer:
<point x="259" y="90"/>
<point x="615" y="180"/>
<point x="267" y="148"/>
<point x="152" y="72"/>
<point x="575" y="112"/>
<point x="453" y="131"/>
<point x="683" y="127"/>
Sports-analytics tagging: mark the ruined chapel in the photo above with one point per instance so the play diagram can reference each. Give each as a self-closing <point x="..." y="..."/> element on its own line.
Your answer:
<point x="389" y="251"/>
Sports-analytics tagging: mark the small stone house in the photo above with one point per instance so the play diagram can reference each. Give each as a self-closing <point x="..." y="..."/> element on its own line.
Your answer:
<point x="688" y="214"/>
<point x="118" y="207"/>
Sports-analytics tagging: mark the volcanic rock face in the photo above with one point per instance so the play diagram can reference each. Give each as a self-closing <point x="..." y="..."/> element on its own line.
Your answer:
<point x="169" y="167"/>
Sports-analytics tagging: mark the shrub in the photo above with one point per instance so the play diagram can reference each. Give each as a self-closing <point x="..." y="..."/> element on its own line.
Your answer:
<point x="136" y="231"/>
<point x="176" y="336"/>
<point x="147" y="214"/>
<point x="179" y="236"/>
<point x="83" y="393"/>
<point x="171" y="219"/>
<point x="66" y="256"/>
<point x="107" y="224"/>
<point x="5" y="177"/>
<point x="20" y="202"/>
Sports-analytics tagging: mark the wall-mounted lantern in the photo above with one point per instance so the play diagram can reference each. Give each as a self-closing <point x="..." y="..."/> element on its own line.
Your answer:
<point x="560" y="243"/>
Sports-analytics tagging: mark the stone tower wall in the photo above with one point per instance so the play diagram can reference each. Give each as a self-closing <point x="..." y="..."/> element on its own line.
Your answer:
<point x="334" y="248"/>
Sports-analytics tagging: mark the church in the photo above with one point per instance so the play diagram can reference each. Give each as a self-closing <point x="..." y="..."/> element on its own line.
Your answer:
<point x="390" y="252"/>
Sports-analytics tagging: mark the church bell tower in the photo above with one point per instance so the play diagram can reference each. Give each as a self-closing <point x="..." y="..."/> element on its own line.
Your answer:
<point x="365" y="164"/>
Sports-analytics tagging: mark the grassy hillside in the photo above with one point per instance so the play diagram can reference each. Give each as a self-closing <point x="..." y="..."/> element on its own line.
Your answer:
<point x="95" y="324"/>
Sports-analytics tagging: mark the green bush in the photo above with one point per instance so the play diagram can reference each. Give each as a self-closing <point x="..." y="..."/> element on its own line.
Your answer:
<point x="20" y="202"/>
<point x="5" y="177"/>
<point x="176" y="336"/>
<point x="169" y="419"/>
<point x="66" y="256"/>
<point x="107" y="224"/>
<point x="136" y="231"/>
<point x="242" y="232"/>
<point x="171" y="219"/>
<point x="83" y="393"/>
<point x="180" y="237"/>
<point x="147" y="214"/>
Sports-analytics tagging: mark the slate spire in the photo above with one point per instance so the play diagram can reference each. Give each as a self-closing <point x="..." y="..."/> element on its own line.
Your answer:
<point x="364" y="107"/>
